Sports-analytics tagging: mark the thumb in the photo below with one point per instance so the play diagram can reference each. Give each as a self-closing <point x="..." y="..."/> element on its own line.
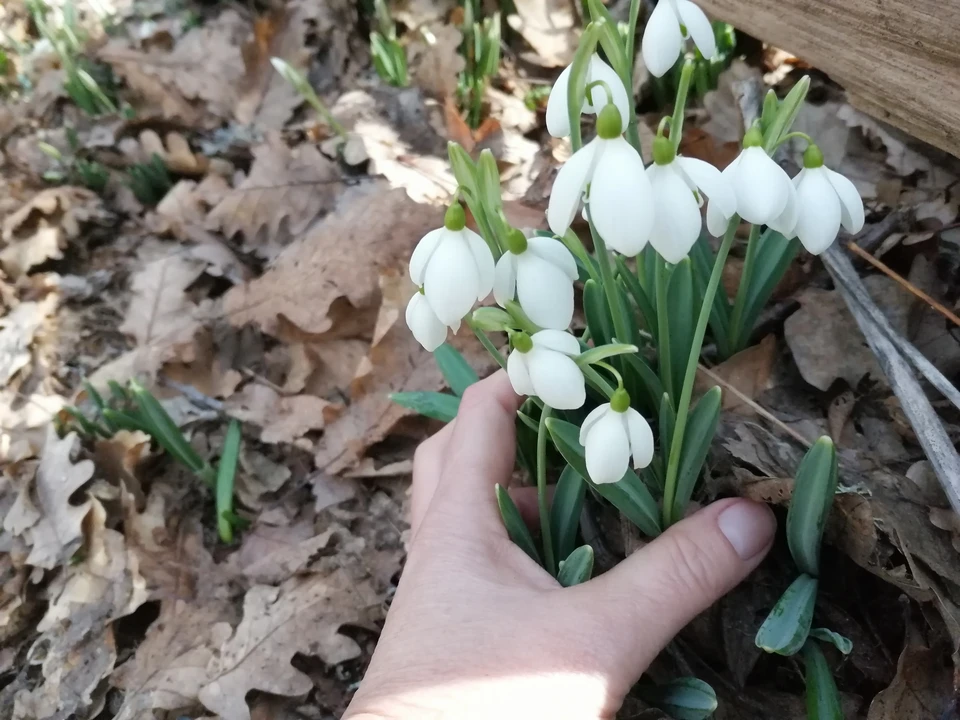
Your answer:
<point x="654" y="593"/>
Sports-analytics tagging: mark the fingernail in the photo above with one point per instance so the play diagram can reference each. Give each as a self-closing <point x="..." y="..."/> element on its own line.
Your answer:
<point x="749" y="527"/>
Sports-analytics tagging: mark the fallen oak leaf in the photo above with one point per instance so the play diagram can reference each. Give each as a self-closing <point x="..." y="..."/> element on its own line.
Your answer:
<point x="18" y="328"/>
<point x="119" y="456"/>
<point x="283" y="419"/>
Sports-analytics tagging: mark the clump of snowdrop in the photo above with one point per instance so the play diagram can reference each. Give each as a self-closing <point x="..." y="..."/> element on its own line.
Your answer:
<point x="613" y="433"/>
<point x="669" y="23"/>
<point x="558" y="120"/>
<point x="620" y="197"/>
<point x="543" y="365"/>
<point x="826" y="201"/>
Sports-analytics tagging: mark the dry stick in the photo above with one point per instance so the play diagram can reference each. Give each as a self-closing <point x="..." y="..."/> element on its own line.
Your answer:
<point x="903" y="281"/>
<point x="927" y="426"/>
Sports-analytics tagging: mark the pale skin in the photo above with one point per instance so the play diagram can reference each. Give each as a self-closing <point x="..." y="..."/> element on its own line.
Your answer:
<point x="478" y="630"/>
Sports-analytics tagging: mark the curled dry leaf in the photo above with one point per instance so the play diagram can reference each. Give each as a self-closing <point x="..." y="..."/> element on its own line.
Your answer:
<point x="271" y="554"/>
<point x="549" y="27"/>
<point x="18" y="328"/>
<point x="175" y="152"/>
<point x="436" y="63"/>
<point x="285" y="191"/>
<point x="748" y="371"/>
<point x="282" y="419"/>
<point x="119" y="456"/>
<point x="303" y="615"/>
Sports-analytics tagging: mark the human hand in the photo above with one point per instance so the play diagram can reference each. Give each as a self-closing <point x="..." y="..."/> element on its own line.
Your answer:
<point x="478" y="630"/>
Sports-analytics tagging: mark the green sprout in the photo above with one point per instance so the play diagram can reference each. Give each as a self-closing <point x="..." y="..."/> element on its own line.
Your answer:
<point x="481" y="50"/>
<point x="389" y="56"/>
<point x="150" y="181"/>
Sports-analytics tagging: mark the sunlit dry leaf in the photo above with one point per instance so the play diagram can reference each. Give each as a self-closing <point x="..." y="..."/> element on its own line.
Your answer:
<point x="435" y="64"/>
<point x="551" y="29"/>
<point x="119" y="456"/>
<point x="17" y="332"/>
<point x="282" y="419"/>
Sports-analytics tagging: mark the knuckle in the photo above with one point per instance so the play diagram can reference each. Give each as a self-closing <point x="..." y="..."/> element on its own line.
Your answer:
<point x="474" y="397"/>
<point x="692" y="567"/>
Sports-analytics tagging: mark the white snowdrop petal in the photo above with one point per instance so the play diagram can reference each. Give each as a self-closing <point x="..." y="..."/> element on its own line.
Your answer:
<point x="786" y="222"/>
<point x="568" y="187"/>
<point x="641" y="438"/>
<point x="451" y="280"/>
<point x="558" y="341"/>
<point x="851" y="204"/>
<point x="519" y="374"/>
<point x="711" y="182"/>
<point x="422" y="254"/>
<point x="591" y="419"/>
<point x="599" y="70"/>
<point x="607" y="449"/>
<point x="544" y="291"/>
<point x="699" y="28"/>
<point x="556" y="379"/>
<point x="505" y="279"/>
<point x="819" y="220"/>
<point x="621" y="198"/>
<point x="760" y="186"/>
<point x="484" y="261"/>
<point x="677" y="224"/>
<point x="662" y="40"/>
<point x="716" y="221"/>
<point x="558" y="120"/>
<point x="423" y="323"/>
<point x="554" y="252"/>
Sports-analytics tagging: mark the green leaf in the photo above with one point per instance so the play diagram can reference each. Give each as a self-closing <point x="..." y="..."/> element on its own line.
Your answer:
<point x="602" y="352"/>
<point x="774" y="255"/>
<point x="642" y="383"/>
<point x="164" y="429"/>
<point x="597" y="313"/>
<point x="632" y="284"/>
<point x="788" y="624"/>
<point x="629" y="495"/>
<point x="686" y="698"/>
<point x="703" y="261"/>
<point x="456" y="370"/>
<point x="565" y="510"/>
<point x="528" y="421"/>
<point x="786" y="114"/>
<point x="841" y="643"/>
<point x="701" y="427"/>
<point x="516" y="528"/>
<point x="438" y="406"/>
<point x="226" y="474"/>
<point x="463" y="168"/>
<point x="577" y="568"/>
<point x="813" y="491"/>
<point x="668" y="420"/>
<point x="488" y="178"/>
<point x="681" y="323"/>
<point x="124" y="420"/>
<point x="823" y="700"/>
<point x="577" y="82"/>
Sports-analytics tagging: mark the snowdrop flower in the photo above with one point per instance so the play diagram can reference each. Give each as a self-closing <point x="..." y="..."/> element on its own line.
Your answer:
<point x="611" y="434"/>
<point x="765" y="195"/>
<point x="543" y="365"/>
<point x="620" y="197"/>
<point x="540" y="271"/>
<point x="558" y="120"/>
<point x="675" y="182"/>
<point x="453" y="268"/>
<point x="663" y="37"/>
<point x="827" y="200"/>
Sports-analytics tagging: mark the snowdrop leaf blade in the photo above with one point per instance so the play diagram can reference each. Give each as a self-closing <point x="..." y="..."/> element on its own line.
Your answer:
<point x="680" y="314"/>
<point x="699" y="28"/>
<point x="596" y="354"/>
<point x="639" y="295"/>
<point x="577" y="568"/>
<point x="668" y="419"/>
<point x="621" y="198"/>
<point x="773" y="257"/>
<point x="786" y="628"/>
<point x="851" y="204"/>
<point x="597" y="313"/>
<point x="841" y="643"/>
<point x="438" y="406"/>
<point x="642" y="383"/>
<point x="568" y="187"/>
<point x="488" y="178"/>
<point x="565" y="510"/>
<point x="701" y="427"/>
<point x="662" y="40"/>
<point x="516" y="528"/>
<point x="455" y="369"/>
<point x="823" y="698"/>
<point x="463" y="168"/>
<point x="703" y="259"/>
<point x="685" y="698"/>
<point x="814" y="488"/>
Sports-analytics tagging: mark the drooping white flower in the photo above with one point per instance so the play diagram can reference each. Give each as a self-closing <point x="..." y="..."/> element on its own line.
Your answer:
<point x="558" y="119"/>
<point x="620" y="196"/>
<point x="664" y="34"/>
<point x="424" y="324"/>
<point x="677" y="184"/>
<point x="826" y="201"/>
<point x="542" y="365"/>
<point x="611" y="434"/>
<point x="765" y="194"/>
<point x="454" y="268"/>
<point x="540" y="273"/>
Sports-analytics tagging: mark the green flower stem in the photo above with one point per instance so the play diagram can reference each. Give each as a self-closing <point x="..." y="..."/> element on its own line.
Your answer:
<point x="679" y="107"/>
<point x="736" y="319"/>
<point x="795" y="134"/>
<point x="573" y="244"/>
<point x="632" y="39"/>
<point x="683" y="408"/>
<point x="597" y="381"/>
<point x="487" y="343"/>
<point x="545" y="535"/>
<point x="479" y="214"/>
<point x="609" y="282"/>
<point x="661" y="275"/>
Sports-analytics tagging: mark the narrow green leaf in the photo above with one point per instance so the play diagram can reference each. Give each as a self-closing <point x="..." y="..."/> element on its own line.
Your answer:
<point x="681" y="323"/>
<point x="516" y="528"/>
<point x="642" y="383"/>
<point x="774" y="255"/>
<point x="226" y="474"/>
<point x="632" y="284"/>
<point x="438" y="406"/>
<point x="823" y="699"/>
<point x="813" y="491"/>
<point x="597" y="313"/>
<point x="95" y="397"/>
<point x="686" y="698"/>
<point x="577" y="568"/>
<point x="788" y="624"/>
<point x="124" y="420"/>
<point x="602" y="352"/>
<point x="456" y="370"/>
<point x="488" y="178"/>
<point x="463" y="168"/>
<point x="668" y="420"/>
<point x="118" y="392"/>
<point x="701" y="427"/>
<point x="703" y="261"/>
<point x="629" y="495"/>
<point x="87" y="426"/>
<point x="565" y="510"/>
<point x="841" y="643"/>
<point x="528" y="421"/>
<point x="164" y="429"/>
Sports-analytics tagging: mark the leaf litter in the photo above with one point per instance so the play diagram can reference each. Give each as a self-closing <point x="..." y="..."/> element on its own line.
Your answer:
<point x="268" y="285"/>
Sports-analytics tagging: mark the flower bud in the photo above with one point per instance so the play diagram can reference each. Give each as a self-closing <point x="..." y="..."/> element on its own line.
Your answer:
<point x="663" y="152"/>
<point x="516" y="241"/>
<point x="620" y="402"/>
<point x="812" y="157"/>
<point x="521" y="342"/>
<point x="491" y="319"/>
<point x="455" y="219"/>
<point x="753" y="138"/>
<point x="609" y="122"/>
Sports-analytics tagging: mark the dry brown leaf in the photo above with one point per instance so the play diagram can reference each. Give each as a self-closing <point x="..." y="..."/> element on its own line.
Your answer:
<point x="175" y="152"/>
<point x="549" y="27"/>
<point x="18" y="328"/>
<point x="260" y="476"/>
<point x="285" y="191"/>
<point x="271" y="555"/>
<point x="186" y="205"/>
<point x="323" y="369"/>
<point x="748" y="371"/>
<point x="282" y="419"/>
<point x="319" y="285"/>
<point x="436" y="63"/>
<point x="303" y="615"/>
<point x="119" y="456"/>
